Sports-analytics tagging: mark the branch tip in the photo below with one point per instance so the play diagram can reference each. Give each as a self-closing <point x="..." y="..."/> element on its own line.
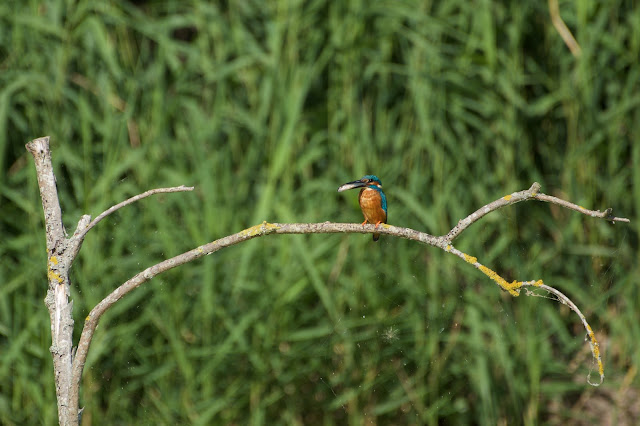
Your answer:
<point x="38" y="145"/>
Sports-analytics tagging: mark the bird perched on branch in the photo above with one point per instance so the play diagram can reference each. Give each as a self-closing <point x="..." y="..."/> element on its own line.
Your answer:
<point x="372" y="200"/>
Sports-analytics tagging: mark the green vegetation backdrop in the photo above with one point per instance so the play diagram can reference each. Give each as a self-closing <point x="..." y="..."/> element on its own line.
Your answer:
<point x="266" y="107"/>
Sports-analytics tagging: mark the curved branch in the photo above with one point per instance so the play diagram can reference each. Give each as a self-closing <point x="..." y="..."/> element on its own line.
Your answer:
<point x="513" y="198"/>
<point x="85" y="224"/>
<point x="533" y="193"/>
<point x="133" y="199"/>
<point x="514" y="288"/>
<point x="443" y="242"/>
<point x="593" y="343"/>
<point x="91" y="321"/>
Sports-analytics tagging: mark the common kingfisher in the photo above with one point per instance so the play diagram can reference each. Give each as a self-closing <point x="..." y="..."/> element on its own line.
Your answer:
<point x="372" y="200"/>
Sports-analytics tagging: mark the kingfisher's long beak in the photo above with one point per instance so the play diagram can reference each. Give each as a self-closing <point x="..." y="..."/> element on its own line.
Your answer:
<point x="351" y="185"/>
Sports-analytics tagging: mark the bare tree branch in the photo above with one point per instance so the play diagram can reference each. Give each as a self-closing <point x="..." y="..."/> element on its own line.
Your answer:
<point x="112" y="209"/>
<point x="593" y="343"/>
<point x="39" y="149"/>
<point x="533" y="193"/>
<point x="58" y="265"/>
<point x="62" y="251"/>
<point x="514" y="288"/>
<point x="443" y="242"/>
<point x="85" y="226"/>
<point x="516" y="197"/>
<point x="607" y="214"/>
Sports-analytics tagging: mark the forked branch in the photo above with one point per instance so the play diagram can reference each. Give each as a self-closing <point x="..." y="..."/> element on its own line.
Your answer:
<point x="62" y="251"/>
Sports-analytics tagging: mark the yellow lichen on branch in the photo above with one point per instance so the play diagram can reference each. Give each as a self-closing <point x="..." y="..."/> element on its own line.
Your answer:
<point x="54" y="276"/>
<point x="470" y="259"/>
<point x="595" y="349"/>
<point x="512" y="288"/>
<point x="259" y="229"/>
<point x="51" y="274"/>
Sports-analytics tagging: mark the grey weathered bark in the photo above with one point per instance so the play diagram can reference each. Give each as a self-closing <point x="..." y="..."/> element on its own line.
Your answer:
<point x="61" y="252"/>
<point x="58" y="264"/>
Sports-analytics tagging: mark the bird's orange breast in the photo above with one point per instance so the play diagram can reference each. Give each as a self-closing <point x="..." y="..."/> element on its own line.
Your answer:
<point x="371" y="205"/>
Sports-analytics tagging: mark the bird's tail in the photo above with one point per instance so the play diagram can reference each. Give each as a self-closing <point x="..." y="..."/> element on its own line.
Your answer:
<point x="375" y="237"/>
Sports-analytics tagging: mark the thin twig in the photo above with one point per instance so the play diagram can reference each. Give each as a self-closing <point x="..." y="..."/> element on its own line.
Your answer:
<point x="85" y="226"/>
<point x="133" y="199"/>
<point x="533" y="193"/>
<point x="607" y="214"/>
<point x="593" y="343"/>
<point x="513" y="198"/>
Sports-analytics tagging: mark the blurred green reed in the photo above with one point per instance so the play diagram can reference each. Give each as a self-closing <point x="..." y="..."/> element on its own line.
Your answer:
<point x="267" y="107"/>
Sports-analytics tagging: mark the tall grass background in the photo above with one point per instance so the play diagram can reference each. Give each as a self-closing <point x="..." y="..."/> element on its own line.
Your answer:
<point x="266" y="108"/>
